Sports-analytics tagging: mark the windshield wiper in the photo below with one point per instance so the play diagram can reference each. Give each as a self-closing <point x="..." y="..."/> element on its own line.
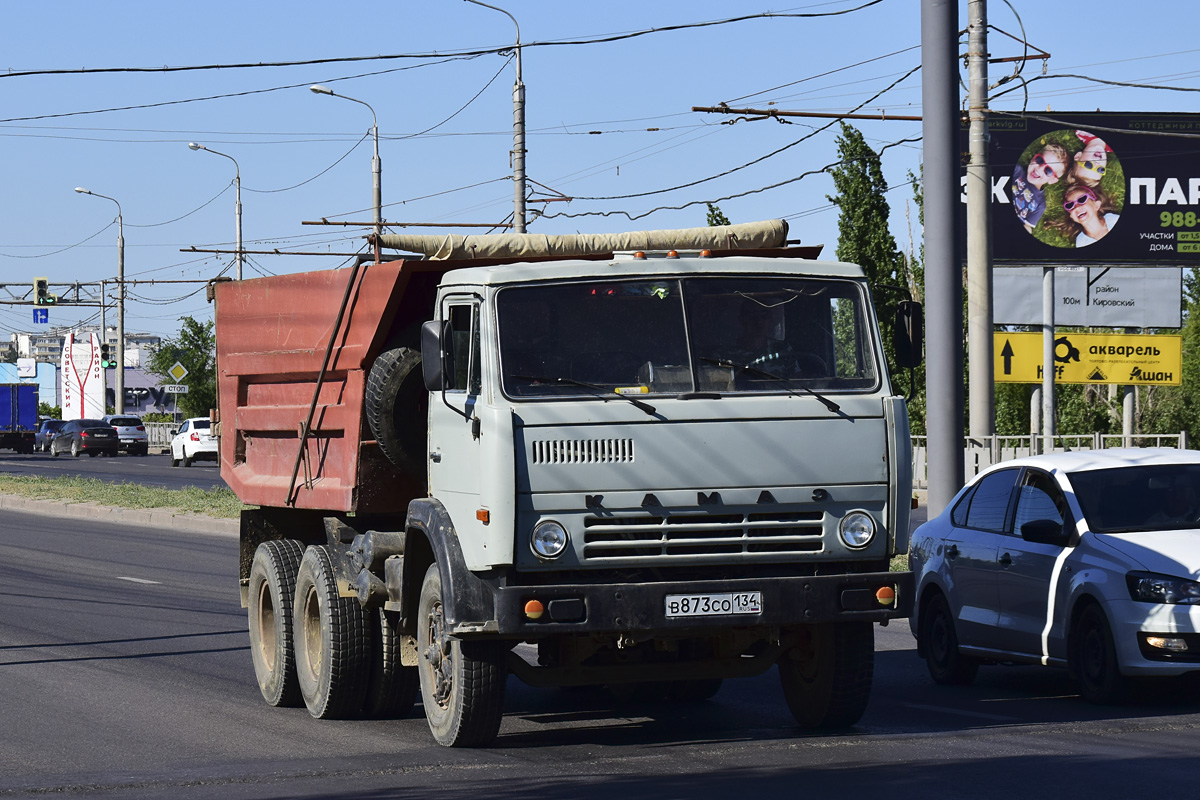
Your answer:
<point x="785" y="382"/>
<point x="599" y="390"/>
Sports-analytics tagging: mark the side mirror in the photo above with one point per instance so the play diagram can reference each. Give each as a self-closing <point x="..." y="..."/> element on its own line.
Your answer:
<point x="909" y="334"/>
<point x="174" y="431"/>
<point x="437" y="357"/>
<point x="1044" y="531"/>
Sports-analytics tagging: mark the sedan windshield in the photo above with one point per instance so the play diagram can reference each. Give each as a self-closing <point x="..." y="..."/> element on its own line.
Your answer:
<point x="1153" y="497"/>
<point x="708" y="336"/>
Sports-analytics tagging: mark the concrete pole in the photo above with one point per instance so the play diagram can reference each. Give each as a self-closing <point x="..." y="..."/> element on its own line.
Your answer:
<point x="1035" y="418"/>
<point x="518" y="151"/>
<point x="943" y="275"/>
<point x="1048" y="358"/>
<point x="979" y="234"/>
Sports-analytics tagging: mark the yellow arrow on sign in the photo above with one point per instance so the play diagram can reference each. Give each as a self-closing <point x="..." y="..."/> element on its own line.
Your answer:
<point x="1091" y="358"/>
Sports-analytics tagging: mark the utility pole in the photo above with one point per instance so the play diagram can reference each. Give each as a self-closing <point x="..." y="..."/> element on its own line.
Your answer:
<point x="943" y="287"/>
<point x="518" y="151"/>
<point x="979" y="234"/>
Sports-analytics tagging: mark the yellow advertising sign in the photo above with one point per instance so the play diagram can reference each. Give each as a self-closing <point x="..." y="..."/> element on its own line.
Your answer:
<point x="1091" y="358"/>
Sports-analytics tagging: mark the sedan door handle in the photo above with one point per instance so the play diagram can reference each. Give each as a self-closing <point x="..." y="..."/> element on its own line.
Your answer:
<point x="952" y="551"/>
<point x="1006" y="560"/>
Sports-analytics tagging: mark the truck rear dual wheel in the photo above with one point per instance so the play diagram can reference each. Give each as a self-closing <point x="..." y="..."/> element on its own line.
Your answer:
<point x="272" y="590"/>
<point x="332" y="638"/>
<point x="827" y="682"/>
<point x="391" y="687"/>
<point x="462" y="682"/>
<point x="396" y="406"/>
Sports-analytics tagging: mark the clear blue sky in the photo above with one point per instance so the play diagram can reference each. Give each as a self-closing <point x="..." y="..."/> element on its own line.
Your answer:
<point x="446" y="123"/>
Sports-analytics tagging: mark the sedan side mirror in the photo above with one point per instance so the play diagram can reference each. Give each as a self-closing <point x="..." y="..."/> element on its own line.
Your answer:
<point x="1044" y="531"/>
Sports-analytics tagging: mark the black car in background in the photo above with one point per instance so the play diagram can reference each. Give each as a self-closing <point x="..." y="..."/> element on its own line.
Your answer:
<point x="89" y="436"/>
<point x="47" y="430"/>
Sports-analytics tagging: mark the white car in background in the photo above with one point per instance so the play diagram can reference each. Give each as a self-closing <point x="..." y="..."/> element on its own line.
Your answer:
<point x="132" y="433"/>
<point x="193" y="441"/>
<point x="1086" y="560"/>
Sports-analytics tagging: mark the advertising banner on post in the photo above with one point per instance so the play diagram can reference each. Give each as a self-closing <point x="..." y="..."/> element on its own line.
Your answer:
<point x="82" y="378"/>
<point x="1094" y="188"/>
<point x="1091" y="358"/>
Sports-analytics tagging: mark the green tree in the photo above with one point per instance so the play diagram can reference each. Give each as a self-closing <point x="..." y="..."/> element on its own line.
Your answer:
<point x="196" y="349"/>
<point x="716" y="216"/>
<point x="864" y="237"/>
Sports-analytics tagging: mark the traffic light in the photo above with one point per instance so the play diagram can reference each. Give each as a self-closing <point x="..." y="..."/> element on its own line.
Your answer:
<point x="41" y="293"/>
<point x="106" y="359"/>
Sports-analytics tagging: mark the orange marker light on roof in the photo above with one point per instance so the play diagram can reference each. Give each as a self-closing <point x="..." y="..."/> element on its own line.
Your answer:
<point x="534" y="609"/>
<point x="886" y="595"/>
<point x="639" y="254"/>
<point x="672" y="254"/>
<point x="706" y="253"/>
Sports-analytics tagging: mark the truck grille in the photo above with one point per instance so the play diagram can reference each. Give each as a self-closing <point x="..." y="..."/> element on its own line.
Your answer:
<point x="582" y="451"/>
<point x="684" y="535"/>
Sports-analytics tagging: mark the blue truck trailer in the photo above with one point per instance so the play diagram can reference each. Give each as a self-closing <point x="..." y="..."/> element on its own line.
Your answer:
<point x="18" y="416"/>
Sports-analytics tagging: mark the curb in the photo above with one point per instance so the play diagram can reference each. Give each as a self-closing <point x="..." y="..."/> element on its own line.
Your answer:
<point x="137" y="517"/>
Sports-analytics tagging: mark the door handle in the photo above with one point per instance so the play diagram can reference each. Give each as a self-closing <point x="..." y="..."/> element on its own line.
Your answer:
<point x="1006" y="560"/>
<point x="952" y="551"/>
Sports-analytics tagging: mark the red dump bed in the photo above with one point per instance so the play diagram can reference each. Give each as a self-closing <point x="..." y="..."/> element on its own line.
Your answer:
<point x="272" y="337"/>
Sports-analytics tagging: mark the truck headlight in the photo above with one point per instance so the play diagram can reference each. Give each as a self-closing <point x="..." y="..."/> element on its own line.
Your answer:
<point x="549" y="539"/>
<point x="856" y="530"/>
<point x="1149" y="587"/>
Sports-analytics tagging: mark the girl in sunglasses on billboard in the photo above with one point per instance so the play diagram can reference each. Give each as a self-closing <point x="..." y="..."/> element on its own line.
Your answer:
<point x="1091" y="214"/>
<point x="1092" y="161"/>
<point x="1047" y="167"/>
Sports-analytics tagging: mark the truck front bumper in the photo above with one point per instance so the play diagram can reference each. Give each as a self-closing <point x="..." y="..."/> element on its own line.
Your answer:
<point x="642" y="607"/>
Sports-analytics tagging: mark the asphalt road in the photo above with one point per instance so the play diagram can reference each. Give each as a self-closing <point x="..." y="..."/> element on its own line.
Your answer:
<point x="149" y="470"/>
<point x="124" y="672"/>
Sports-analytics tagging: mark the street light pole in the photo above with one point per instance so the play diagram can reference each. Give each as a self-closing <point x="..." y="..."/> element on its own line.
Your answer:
<point x="119" y="389"/>
<point x="518" y="152"/>
<point x="376" y="163"/>
<point x="237" y="184"/>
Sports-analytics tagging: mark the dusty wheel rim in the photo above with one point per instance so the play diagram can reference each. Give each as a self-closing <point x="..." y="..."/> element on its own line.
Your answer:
<point x="266" y="627"/>
<point x="438" y="658"/>
<point x="311" y="646"/>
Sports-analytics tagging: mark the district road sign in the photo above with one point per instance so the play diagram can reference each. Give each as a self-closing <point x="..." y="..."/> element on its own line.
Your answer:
<point x="1091" y="358"/>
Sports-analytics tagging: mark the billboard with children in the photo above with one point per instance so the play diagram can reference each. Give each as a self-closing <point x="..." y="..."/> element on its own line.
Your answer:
<point x="1102" y="188"/>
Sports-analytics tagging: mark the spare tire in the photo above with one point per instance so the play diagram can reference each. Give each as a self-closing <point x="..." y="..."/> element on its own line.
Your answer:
<point x="397" y="408"/>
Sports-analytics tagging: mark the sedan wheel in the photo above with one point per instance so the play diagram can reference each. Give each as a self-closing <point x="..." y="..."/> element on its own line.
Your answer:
<point x="940" y="644"/>
<point x="1094" y="659"/>
<point x="75" y="451"/>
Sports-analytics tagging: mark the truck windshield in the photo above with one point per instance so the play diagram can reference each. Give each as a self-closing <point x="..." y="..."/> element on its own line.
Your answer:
<point x="686" y="336"/>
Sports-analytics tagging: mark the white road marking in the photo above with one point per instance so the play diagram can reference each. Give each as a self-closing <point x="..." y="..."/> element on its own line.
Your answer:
<point x="137" y="580"/>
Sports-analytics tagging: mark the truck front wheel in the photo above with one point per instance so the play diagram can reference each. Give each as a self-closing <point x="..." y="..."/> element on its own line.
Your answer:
<point x="462" y="682"/>
<point x="331" y="640"/>
<point x="827" y="679"/>
<point x="272" y="590"/>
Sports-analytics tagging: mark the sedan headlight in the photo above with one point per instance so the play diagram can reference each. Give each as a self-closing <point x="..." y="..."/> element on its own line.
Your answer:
<point x="549" y="539"/>
<point x="1149" y="587"/>
<point x="856" y="530"/>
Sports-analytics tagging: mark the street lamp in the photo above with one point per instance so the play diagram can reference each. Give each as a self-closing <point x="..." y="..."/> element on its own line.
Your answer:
<point x="119" y="389"/>
<point x="237" y="183"/>
<point x="376" y="164"/>
<point x="518" y="151"/>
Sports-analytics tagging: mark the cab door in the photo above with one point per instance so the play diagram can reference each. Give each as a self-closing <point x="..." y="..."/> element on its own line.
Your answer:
<point x="453" y="424"/>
